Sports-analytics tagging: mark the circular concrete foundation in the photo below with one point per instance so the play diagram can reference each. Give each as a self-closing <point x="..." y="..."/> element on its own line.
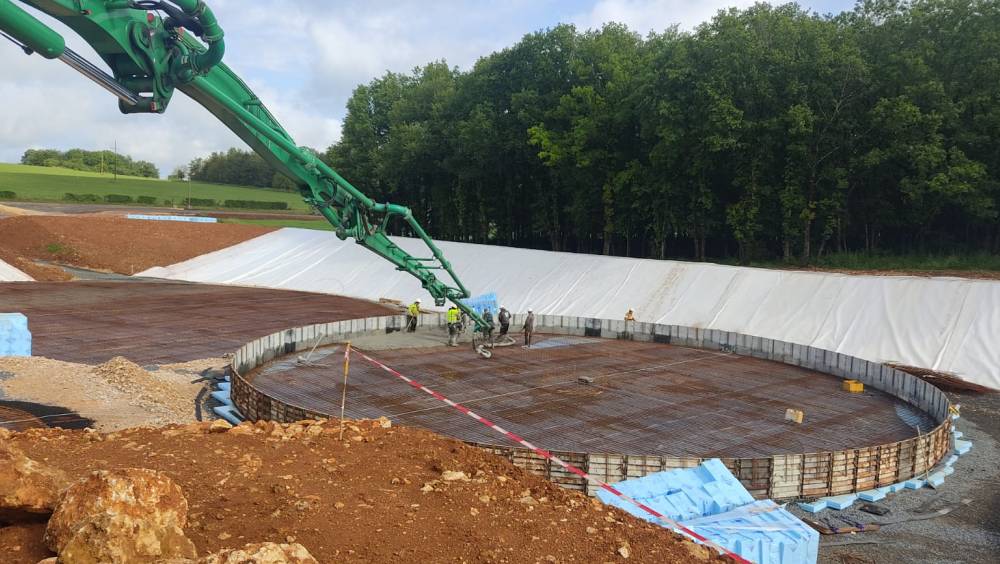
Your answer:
<point x="619" y="401"/>
<point x="644" y="398"/>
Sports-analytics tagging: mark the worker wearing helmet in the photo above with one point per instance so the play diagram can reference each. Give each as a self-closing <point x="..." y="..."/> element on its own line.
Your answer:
<point x="488" y="330"/>
<point x="504" y="318"/>
<point x="454" y="325"/>
<point x="528" y="328"/>
<point x="411" y="316"/>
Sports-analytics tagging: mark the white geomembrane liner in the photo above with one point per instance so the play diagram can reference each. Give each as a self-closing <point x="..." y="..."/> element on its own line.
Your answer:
<point x="10" y="274"/>
<point x="945" y="324"/>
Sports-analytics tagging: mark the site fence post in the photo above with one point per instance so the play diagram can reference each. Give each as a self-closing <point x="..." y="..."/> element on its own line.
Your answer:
<point x="343" y="397"/>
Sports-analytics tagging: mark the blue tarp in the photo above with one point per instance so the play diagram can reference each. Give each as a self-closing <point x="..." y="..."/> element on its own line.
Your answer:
<point x="485" y="301"/>
<point x="15" y="338"/>
<point x="713" y="503"/>
<point x="187" y="218"/>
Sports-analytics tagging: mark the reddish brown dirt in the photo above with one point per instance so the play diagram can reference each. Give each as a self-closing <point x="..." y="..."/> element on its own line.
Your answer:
<point x="379" y="495"/>
<point x="163" y="322"/>
<point x="32" y="269"/>
<point x="114" y="244"/>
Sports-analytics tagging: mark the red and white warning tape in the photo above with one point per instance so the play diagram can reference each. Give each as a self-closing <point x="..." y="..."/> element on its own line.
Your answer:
<point x="548" y="455"/>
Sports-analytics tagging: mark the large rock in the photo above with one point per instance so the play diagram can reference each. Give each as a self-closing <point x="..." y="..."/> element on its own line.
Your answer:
<point x="120" y="516"/>
<point x="28" y="489"/>
<point x="258" y="553"/>
<point x="262" y="553"/>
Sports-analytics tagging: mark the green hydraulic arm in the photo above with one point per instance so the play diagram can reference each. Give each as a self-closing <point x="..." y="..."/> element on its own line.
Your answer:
<point x="151" y="48"/>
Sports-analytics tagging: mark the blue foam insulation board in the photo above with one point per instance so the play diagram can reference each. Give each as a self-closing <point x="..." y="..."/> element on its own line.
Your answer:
<point x="840" y="501"/>
<point x="15" y="338"/>
<point x="222" y="396"/>
<point x="962" y="447"/>
<point x="761" y="532"/>
<point x="486" y="301"/>
<point x="228" y="413"/>
<point x="813" y="506"/>
<point x="709" y="500"/>
<point x="227" y="410"/>
<point x="935" y="479"/>
<point x="872" y="495"/>
<point x="184" y="218"/>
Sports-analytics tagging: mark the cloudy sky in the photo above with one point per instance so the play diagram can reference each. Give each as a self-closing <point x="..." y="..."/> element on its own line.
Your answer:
<point x="303" y="58"/>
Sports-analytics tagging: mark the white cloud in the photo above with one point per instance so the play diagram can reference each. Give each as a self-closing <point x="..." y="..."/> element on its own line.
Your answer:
<point x="644" y="16"/>
<point x="303" y="59"/>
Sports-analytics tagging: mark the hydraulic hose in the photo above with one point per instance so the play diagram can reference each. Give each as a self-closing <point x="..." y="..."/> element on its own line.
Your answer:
<point x="186" y="68"/>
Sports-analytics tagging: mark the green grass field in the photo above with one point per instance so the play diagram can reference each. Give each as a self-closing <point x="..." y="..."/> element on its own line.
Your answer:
<point x="49" y="184"/>
<point x="319" y="224"/>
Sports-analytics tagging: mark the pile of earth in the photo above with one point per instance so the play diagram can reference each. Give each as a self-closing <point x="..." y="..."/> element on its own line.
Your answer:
<point x="110" y="243"/>
<point x="379" y="493"/>
<point x="114" y="395"/>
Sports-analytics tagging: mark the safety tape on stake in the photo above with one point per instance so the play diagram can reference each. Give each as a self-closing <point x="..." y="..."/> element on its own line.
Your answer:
<point x="674" y="525"/>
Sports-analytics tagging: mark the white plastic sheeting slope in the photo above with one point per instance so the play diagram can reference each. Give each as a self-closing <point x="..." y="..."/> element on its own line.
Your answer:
<point x="946" y="324"/>
<point x="10" y="274"/>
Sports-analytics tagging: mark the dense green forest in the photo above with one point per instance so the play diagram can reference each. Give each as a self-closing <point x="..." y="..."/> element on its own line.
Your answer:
<point x="766" y="133"/>
<point x="235" y="166"/>
<point x="90" y="161"/>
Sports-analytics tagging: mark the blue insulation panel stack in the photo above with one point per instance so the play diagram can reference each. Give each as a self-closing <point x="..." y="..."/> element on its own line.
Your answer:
<point x="710" y="501"/>
<point x="15" y="338"/>
<point x="185" y="218"/>
<point x="485" y="301"/>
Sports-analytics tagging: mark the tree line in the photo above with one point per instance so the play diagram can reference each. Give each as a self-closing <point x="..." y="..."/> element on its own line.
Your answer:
<point x="90" y="161"/>
<point x="235" y="166"/>
<point x="769" y="132"/>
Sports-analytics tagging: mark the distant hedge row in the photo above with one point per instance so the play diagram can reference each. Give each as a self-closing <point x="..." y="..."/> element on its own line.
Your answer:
<point x="88" y="198"/>
<point x="199" y="202"/>
<point x="7" y="195"/>
<point x="255" y="205"/>
<point x="241" y="204"/>
<point x="150" y="200"/>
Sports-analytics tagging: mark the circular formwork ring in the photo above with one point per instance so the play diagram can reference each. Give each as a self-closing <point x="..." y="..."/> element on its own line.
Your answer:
<point x="778" y="477"/>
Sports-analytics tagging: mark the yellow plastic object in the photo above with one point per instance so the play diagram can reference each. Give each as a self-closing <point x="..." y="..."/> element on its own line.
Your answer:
<point x="794" y="415"/>
<point x="853" y="386"/>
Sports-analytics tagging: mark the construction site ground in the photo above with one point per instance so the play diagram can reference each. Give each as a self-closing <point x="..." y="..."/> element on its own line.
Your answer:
<point x="170" y="337"/>
<point x="378" y="495"/>
<point x="152" y="322"/>
<point x="958" y="522"/>
<point x="109" y="243"/>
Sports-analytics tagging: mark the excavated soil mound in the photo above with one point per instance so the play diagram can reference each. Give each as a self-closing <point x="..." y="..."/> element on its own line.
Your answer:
<point x="382" y="494"/>
<point x="114" y="244"/>
<point x="111" y="396"/>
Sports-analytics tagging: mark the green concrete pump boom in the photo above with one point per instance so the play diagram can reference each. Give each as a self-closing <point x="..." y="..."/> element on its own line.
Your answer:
<point x="151" y="49"/>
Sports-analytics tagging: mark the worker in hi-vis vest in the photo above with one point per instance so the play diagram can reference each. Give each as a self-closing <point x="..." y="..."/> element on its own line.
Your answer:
<point x="411" y="316"/>
<point x="454" y="325"/>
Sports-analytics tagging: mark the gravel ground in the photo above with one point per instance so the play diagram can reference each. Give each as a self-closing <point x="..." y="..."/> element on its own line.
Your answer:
<point x="115" y="395"/>
<point x="968" y="533"/>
